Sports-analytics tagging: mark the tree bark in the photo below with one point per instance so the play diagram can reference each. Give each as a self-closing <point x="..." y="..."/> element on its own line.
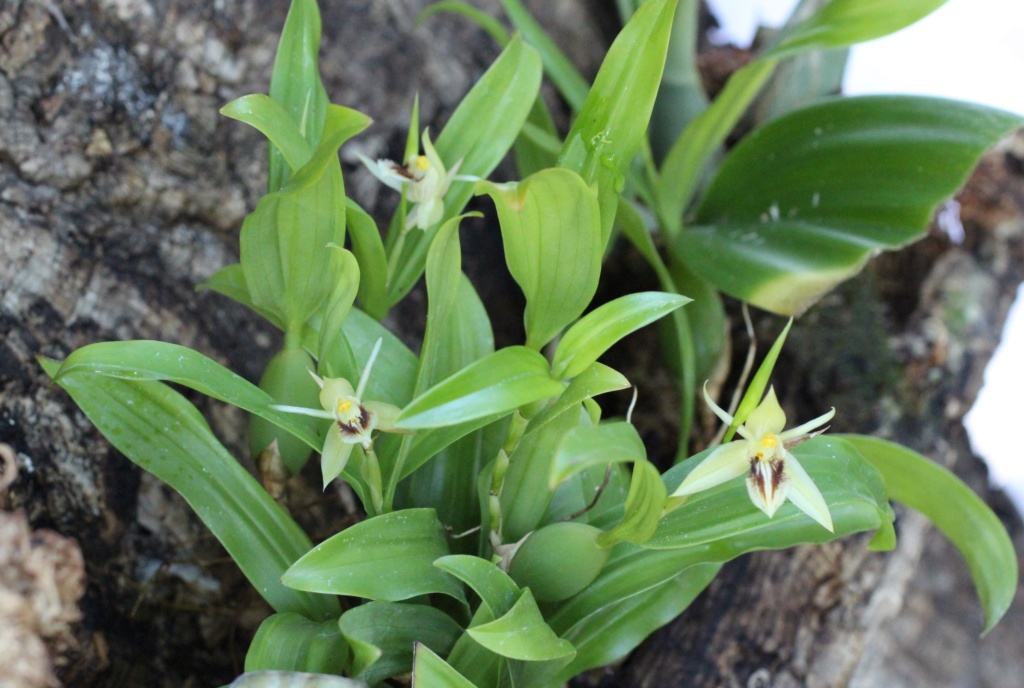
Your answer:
<point x="121" y="188"/>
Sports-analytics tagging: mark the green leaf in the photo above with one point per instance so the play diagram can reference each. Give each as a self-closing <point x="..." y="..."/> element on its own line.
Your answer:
<point x="495" y="384"/>
<point x="615" y="630"/>
<point x="158" y="430"/>
<point x="840" y="23"/>
<point x="566" y="78"/>
<point x="603" y="327"/>
<point x="479" y="133"/>
<point x="295" y="82"/>
<point x="495" y="588"/>
<point x="430" y="671"/>
<point x="382" y="636"/>
<point x="610" y="126"/>
<point x="346" y="269"/>
<point x="389" y="557"/>
<point x="955" y="510"/>
<point x="373" y="261"/>
<point x="595" y="445"/>
<point x="291" y="642"/>
<point x="522" y="634"/>
<point x="644" y="506"/>
<point x="550" y="227"/>
<point x="803" y="202"/>
<point x="596" y="380"/>
<point x="681" y="172"/>
<point x="492" y="26"/>
<point x="271" y="119"/>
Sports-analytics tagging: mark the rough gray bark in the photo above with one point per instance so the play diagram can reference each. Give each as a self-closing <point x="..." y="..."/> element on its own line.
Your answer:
<point x="121" y="188"/>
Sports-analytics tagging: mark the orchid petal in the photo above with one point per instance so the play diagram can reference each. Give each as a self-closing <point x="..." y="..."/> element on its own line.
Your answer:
<point x="383" y="170"/>
<point x="725" y="463"/>
<point x="302" y="410"/>
<point x="365" y="377"/>
<point x="386" y="414"/>
<point x="807" y="427"/>
<point x="334" y="388"/>
<point x="805" y="494"/>
<point x="768" y="417"/>
<point x="722" y="414"/>
<point x="432" y="156"/>
<point x="768" y="485"/>
<point x="335" y="455"/>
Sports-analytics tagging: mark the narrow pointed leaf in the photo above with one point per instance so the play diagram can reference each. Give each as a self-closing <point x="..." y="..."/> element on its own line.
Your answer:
<point x="495" y="384"/>
<point x="430" y="671"/>
<point x="161" y="432"/>
<point x="603" y="327"/>
<point x="494" y="587"/>
<point x="643" y="508"/>
<point x="955" y="510"/>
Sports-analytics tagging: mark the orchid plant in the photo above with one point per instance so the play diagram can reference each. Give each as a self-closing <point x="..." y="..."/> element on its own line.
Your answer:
<point x="513" y="535"/>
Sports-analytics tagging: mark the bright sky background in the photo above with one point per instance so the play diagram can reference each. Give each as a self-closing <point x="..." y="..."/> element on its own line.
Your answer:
<point x="968" y="50"/>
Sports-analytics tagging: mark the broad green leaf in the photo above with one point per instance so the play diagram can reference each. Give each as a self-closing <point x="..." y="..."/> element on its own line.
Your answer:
<point x="537" y="146"/>
<point x="724" y="518"/>
<point x="478" y="664"/>
<point x="479" y="133"/>
<point x="595" y="445"/>
<point x="803" y="202"/>
<point x="550" y="228"/>
<point x="373" y="261"/>
<point x="382" y="636"/>
<point x="295" y="82"/>
<point x="644" y="506"/>
<point x="681" y="172"/>
<point x="603" y="327"/>
<point x="566" y="78"/>
<point x="291" y="642"/>
<point x="494" y="587"/>
<point x="613" y="632"/>
<point x="275" y="679"/>
<point x="430" y="671"/>
<point x="758" y="384"/>
<point x="493" y="385"/>
<point x="840" y="23"/>
<point x="610" y="127"/>
<point x="955" y="510"/>
<point x="389" y="557"/>
<point x="158" y="430"/>
<point x="522" y="634"/>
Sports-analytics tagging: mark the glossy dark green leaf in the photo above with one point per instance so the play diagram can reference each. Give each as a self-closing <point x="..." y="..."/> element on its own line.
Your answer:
<point x="522" y="634"/>
<point x="551" y="231"/>
<point x="803" y="202"/>
<point x="495" y="384"/>
<point x="162" y="433"/>
<point x="389" y="557"/>
<point x="479" y="133"/>
<point x="430" y="671"/>
<point x="609" y="128"/>
<point x="291" y="642"/>
<point x="955" y="510"/>
<point x="382" y="636"/>
<point x="604" y="326"/>
<point x="586" y="446"/>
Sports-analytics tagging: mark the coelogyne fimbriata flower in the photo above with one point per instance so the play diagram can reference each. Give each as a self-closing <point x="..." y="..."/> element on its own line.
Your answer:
<point x="425" y="180"/>
<point x="773" y="473"/>
<point x="354" y="419"/>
